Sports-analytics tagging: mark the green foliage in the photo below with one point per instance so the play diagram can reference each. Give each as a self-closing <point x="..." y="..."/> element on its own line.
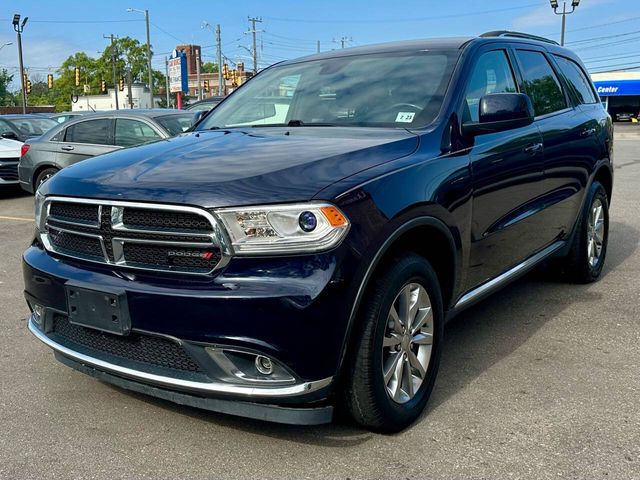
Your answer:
<point x="6" y="97"/>
<point x="209" y="67"/>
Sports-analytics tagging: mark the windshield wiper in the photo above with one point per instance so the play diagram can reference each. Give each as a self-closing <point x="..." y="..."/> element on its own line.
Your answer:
<point x="300" y="123"/>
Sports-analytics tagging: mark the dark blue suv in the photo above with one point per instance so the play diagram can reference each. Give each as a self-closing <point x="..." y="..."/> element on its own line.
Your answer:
<point x="303" y="247"/>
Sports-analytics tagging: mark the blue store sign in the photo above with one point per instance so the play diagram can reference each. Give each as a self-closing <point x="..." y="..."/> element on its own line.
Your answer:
<point x="616" y="88"/>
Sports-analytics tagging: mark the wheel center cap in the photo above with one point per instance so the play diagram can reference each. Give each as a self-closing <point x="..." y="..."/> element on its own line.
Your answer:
<point x="406" y="342"/>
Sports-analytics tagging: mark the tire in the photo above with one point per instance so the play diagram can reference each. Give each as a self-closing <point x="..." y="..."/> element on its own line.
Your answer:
<point x="43" y="176"/>
<point x="368" y="396"/>
<point x="580" y="265"/>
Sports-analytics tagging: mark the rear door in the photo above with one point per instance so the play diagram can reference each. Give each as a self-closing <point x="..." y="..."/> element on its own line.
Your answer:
<point x="568" y="143"/>
<point x="85" y="139"/>
<point x="507" y="177"/>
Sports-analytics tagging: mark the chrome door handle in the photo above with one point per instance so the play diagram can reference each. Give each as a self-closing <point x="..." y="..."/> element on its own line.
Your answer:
<point x="533" y="149"/>
<point x="67" y="148"/>
<point x="588" y="132"/>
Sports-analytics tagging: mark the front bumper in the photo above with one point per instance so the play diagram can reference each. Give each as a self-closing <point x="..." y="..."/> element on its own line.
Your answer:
<point x="288" y="310"/>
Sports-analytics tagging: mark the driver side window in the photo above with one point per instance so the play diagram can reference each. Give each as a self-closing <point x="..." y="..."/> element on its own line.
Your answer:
<point x="491" y="74"/>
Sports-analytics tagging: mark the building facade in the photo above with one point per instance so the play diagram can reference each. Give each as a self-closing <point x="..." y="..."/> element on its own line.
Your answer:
<point x="620" y="93"/>
<point x="107" y="101"/>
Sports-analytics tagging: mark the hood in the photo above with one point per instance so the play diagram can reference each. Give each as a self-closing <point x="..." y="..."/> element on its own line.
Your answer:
<point x="234" y="167"/>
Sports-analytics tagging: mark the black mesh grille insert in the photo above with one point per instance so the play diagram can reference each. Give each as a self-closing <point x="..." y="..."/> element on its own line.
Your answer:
<point x="9" y="172"/>
<point x="72" y="243"/>
<point x="164" y="220"/>
<point x="168" y="256"/>
<point x="135" y="347"/>
<point x="74" y="211"/>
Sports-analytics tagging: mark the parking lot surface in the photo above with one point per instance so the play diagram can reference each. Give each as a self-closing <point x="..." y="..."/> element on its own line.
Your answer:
<point x="542" y="380"/>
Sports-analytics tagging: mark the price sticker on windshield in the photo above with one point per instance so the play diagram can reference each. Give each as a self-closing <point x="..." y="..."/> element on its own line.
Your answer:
<point x="405" y="117"/>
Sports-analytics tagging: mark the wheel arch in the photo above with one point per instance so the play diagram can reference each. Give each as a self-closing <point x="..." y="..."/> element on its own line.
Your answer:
<point x="38" y="171"/>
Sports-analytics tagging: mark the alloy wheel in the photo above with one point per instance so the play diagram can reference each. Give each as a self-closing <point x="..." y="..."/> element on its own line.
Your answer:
<point x="407" y="343"/>
<point x="595" y="232"/>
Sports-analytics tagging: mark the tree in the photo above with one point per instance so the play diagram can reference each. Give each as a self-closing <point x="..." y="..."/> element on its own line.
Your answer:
<point x="6" y="98"/>
<point x="209" y="67"/>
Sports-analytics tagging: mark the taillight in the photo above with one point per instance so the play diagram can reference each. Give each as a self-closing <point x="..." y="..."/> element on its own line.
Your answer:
<point x="24" y="149"/>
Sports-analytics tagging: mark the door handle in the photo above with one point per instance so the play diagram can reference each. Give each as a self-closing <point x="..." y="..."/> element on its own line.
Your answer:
<point x="533" y="149"/>
<point x="588" y="132"/>
<point x="67" y="148"/>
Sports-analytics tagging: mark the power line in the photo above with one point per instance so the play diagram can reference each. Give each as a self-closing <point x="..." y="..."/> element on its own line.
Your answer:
<point x="596" y="39"/>
<point x="404" y="20"/>
<point x="632" y="67"/>
<point x="168" y="33"/>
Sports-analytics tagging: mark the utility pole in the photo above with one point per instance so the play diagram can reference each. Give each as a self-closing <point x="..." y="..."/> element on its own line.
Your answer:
<point x="254" y="51"/>
<point x="19" y="27"/>
<point x="113" y="66"/>
<point x="219" y="53"/>
<point x="166" y="77"/>
<point x="198" y="74"/>
<point x="318" y="46"/>
<point x="564" y="13"/>
<point x="146" y="19"/>
<point x="129" y="92"/>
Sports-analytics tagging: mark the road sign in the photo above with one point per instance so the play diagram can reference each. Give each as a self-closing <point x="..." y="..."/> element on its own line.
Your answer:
<point x="178" y="79"/>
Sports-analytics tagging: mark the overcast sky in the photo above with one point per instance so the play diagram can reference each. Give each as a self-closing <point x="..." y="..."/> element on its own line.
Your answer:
<point x="59" y="28"/>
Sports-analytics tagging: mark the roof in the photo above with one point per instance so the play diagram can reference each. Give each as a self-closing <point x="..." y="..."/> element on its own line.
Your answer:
<point x="138" y="112"/>
<point x="444" y="43"/>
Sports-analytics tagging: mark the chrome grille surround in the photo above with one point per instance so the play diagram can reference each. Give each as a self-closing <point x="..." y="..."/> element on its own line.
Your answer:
<point x="110" y="230"/>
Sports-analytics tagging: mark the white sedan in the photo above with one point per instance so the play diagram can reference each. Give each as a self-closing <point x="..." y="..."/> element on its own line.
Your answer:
<point x="9" y="156"/>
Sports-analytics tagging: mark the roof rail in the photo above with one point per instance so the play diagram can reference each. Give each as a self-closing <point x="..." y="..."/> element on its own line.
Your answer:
<point x="507" y="33"/>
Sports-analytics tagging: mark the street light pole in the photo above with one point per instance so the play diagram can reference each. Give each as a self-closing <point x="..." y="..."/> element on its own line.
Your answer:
<point x="219" y="54"/>
<point x="146" y="19"/>
<point x="19" y="27"/>
<point x="564" y="13"/>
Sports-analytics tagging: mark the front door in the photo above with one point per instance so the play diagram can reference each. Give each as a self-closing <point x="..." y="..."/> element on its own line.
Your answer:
<point x="507" y="179"/>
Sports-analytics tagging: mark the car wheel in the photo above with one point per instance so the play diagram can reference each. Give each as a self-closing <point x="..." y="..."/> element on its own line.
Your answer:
<point x="394" y="361"/>
<point x="584" y="262"/>
<point x="45" y="175"/>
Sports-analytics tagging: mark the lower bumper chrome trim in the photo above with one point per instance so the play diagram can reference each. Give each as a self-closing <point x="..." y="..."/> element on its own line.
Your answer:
<point x="212" y="388"/>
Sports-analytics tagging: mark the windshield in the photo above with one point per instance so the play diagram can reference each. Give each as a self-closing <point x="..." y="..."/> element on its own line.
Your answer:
<point x="33" y="126"/>
<point x="403" y="89"/>
<point x="175" y="124"/>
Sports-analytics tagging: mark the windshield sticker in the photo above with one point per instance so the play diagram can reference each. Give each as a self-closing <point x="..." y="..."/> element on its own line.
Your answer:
<point x="405" y="117"/>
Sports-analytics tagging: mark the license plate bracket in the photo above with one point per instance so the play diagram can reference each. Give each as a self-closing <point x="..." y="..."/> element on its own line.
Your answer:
<point x="105" y="309"/>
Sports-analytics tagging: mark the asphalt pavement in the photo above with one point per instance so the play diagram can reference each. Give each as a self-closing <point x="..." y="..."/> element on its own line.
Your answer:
<point x="540" y="381"/>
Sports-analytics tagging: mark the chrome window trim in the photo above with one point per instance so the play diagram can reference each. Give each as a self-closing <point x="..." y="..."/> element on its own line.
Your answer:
<point x="249" y="391"/>
<point x="216" y="237"/>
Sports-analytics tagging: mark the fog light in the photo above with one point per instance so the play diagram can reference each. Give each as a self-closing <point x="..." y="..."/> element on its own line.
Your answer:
<point x="38" y="313"/>
<point x="264" y="365"/>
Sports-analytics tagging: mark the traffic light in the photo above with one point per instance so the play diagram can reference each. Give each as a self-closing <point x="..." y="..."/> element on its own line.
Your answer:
<point x="103" y="86"/>
<point x="50" y="81"/>
<point x="206" y="86"/>
<point x="25" y="78"/>
<point x="225" y="71"/>
<point x="28" y="86"/>
<point x="77" y="77"/>
<point x="234" y="78"/>
<point x="121" y="84"/>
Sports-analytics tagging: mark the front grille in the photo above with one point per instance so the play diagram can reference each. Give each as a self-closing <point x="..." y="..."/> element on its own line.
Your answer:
<point x="73" y="243"/>
<point x="9" y="169"/>
<point x="141" y="236"/>
<point x="137" y="217"/>
<point x="145" y="349"/>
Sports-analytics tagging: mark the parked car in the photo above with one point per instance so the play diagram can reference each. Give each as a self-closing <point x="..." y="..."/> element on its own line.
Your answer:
<point x="624" y="116"/>
<point x="273" y="265"/>
<point x="24" y="127"/>
<point x="94" y="134"/>
<point x="205" y="104"/>
<point x="9" y="156"/>
<point x="66" y="116"/>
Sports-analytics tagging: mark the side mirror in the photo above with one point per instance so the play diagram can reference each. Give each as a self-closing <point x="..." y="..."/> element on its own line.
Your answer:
<point x="499" y="112"/>
<point x="10" y="136"/>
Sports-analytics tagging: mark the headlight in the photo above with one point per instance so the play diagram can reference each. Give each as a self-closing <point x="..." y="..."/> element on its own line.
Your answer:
<point x="39" y="202"/>
<point x="275" y="229"/>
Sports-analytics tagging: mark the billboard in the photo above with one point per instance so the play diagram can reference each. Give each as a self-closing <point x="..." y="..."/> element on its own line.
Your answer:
<point x="178" y="79"/>
<point x="617" y="88"/>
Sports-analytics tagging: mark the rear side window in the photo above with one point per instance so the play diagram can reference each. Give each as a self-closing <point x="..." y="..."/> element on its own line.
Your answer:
<point x="130" y="133"/>
<point x="541" y="83"/>
<point x="89" y="131"/>
<point x="491" y="74"/>
<point x="578" y="82"/>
